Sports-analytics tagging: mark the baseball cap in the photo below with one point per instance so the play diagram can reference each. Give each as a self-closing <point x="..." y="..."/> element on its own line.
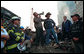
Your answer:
<point x="75" y="15"/>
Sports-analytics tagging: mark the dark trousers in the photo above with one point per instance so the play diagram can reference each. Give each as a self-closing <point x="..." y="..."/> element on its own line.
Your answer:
<point x="60" y="36"/>
<point x="78" y="47"/>
<point x="66" y="35"/>
<point x="14" y="50"/>
<point x="2" y="51"/>
<point x="39" y="36"/>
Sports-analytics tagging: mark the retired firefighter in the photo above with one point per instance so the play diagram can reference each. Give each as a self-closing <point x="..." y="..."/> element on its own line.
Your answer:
<point x="16" y="35"/>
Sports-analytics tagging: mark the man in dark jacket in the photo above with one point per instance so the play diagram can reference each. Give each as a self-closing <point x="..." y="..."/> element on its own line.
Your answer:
<point x="76" y="31"/>
<point x="66" y="27"/>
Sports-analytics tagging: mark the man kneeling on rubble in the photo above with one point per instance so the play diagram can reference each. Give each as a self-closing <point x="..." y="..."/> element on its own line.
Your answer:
<point x="28" y="39"/>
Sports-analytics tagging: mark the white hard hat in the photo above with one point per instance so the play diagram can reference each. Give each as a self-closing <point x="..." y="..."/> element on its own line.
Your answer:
<point x="15" y="17"/>
<point x="21" y="47"/>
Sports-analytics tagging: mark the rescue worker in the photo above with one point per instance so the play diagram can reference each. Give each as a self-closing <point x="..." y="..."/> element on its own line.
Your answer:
<point x="4" y="37"/>
<point x="77" y="33"/>
<point x="28" y="40"/>
<point x="49" y="27"/>
<point x="16" y="35"/>
<point x="39" y="30"/>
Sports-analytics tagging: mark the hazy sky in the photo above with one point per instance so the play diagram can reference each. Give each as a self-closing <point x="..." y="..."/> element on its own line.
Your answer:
<point x="23" y="9"/>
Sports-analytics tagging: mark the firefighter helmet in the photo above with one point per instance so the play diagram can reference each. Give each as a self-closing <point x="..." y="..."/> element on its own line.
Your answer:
<point x="15" y="18"/>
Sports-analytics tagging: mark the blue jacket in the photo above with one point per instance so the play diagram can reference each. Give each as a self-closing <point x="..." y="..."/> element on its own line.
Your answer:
<point x="49" y="23"/>
<point x="66" y="26"/>
<point x="27" y="37"/>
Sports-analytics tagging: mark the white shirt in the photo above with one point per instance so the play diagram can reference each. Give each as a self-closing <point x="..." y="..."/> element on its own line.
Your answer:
<point x="3" y="32"/>
<point x="2" y="44"/>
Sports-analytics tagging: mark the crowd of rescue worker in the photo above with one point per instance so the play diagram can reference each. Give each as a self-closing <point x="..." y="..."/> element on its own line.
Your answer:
<point x="13" y="35"/>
